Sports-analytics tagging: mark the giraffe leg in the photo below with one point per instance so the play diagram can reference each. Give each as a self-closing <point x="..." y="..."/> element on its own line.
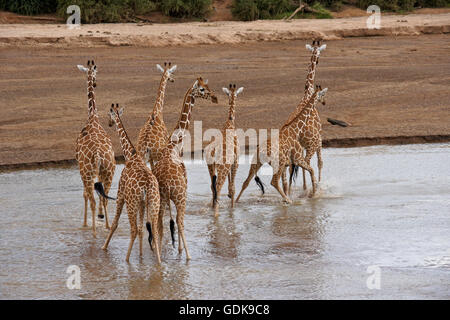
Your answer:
<point x="181" y="207"/>
<point x="120" y="203"/>
<point x="162" y="211"/>
<point x="222" y="176"/>
<point x="304" y="172"/>
<point x="141" y="225"/>
<point x="86" y="198"/>
<point x="284" y="181"/>
<point x="106" y="178"/>
<point x="304" y="179"/>
<point x="89" y="193"/>
<point x="304" y="163"/>
<point x="133" y="228"/>
<point x="153" y="208"/>
<point x="253" y="170"/>
<point x="211" y="170"/>
<point x="88" y="187"/>
<point x="319" y="161"/>
<point x="231" y="186"/>
<point x="275" y="183"/>
<point x="92" y="201"/>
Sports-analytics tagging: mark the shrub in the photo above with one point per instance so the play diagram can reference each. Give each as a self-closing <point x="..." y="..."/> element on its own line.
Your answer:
<point x="185" y="8"/>
<point x="261" y="9"/>
<point x="403" y="5"/>
<point x="93" y="11"/>
<point x="28" y="7"/>
<point x="274" y="9"/>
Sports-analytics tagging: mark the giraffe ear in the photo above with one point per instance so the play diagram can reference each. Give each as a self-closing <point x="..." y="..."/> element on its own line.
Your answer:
<point x="172" y="70"/>
<point x="81" y="68"/>
<point x="195" y="84"/>
<point x="120" y="111"/>
<point x="322" y="92"/>
<point x="226" y="91"/>
<point x="160" y="68"/>
<point x="309" y="47"/>
<point x="322" y="47"/>
<point x="238" y="91"/>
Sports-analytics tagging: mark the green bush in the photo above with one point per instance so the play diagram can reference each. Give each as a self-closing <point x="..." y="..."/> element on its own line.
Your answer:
<point x="185" y="8"/>
<point x="28" y="7"/>
<point x="261" y="9"/>
<point x="402" y="5"/>
<point x="433" y="3"/>
<point x="93" y="11"/>
<point x="275" y="9"/>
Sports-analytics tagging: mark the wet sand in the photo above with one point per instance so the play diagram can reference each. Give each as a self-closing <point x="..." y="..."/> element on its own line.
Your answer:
<point x="376" y="206"/>
<point x="390" y="89"/>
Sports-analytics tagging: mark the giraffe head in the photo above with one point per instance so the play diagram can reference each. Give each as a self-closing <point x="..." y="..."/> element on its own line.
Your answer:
<point x="91" y="71"/>
<point x="200" y="89"/>
<point x="232" y="92"/>
<point x="319" y="94"/>
<point x="321" y="98"/>
<point x="168" y="70"/>
<point x="114" y="114"/>
<point x="316" y="48"/>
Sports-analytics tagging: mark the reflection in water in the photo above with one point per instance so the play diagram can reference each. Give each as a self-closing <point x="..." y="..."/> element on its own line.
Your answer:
<point x="373" y="208"/>
<point x="223" y="236"/>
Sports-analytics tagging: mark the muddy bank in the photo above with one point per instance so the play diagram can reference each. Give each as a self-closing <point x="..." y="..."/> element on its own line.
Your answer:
<point x="219" y="32"/>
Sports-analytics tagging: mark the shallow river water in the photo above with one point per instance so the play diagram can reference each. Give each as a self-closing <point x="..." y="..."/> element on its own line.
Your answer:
<point x="379" y="228"/>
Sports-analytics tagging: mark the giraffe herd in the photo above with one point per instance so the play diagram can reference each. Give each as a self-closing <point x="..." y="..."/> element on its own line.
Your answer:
<point x="148" y="191"/>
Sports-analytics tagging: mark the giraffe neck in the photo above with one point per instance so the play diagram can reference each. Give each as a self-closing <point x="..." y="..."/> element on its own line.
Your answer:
<point x="158" y="108"/>
<point x="92" y="108"/>
<point x="127" y="147"/>
<point x="183" y="122"/>
<point x="232" y="110"/>
<point x="301" y="119"/>
<point x="309" y="85"/>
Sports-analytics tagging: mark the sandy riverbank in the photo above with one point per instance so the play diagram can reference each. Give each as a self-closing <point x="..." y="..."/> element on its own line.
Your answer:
<point x="219" y="32"/>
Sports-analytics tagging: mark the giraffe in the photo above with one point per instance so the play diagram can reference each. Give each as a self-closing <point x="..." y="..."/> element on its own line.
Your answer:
<point x="138" y="189"/>
<point x="288" y="149"/>
<point x="316" y="128"/>
<point x="94" y="152"/>
<point x="170" y="170"/>
<point x="154" y="135"/>
<point x="309" y="90"/>
<point x="227" y="164"/>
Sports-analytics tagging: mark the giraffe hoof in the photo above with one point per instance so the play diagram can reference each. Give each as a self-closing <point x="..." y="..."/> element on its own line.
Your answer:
<point x="229" y="196"/>
<point x="101" y="216"/>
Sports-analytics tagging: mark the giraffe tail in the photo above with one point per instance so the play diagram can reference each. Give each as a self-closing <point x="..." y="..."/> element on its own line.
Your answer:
<point x="294" y="173"/>
<point x="98" y="187"/>
<point x="172" y="232"/>
<point x="259" y="183"/>
<point x="172" y="226"/>
<point x="150" y="236"/>
<point x="214" y="187"/>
